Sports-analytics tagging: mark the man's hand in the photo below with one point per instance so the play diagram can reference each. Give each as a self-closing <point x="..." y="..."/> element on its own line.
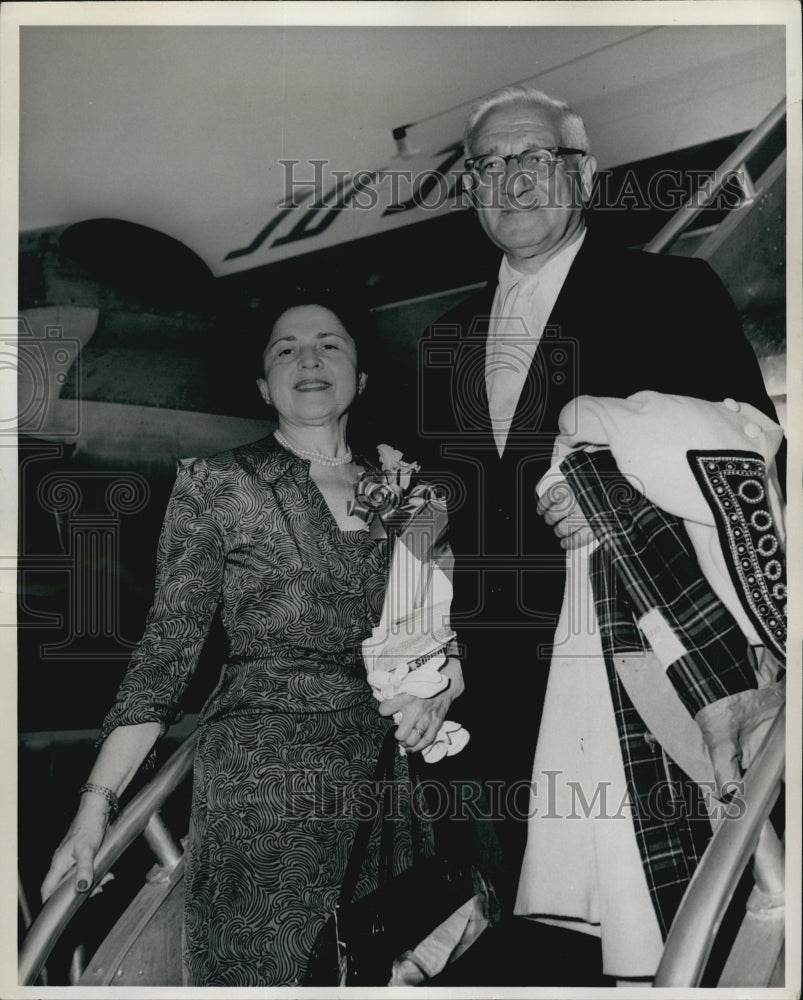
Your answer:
<point x="561" y="511"/>
<point x="734" y="729"/>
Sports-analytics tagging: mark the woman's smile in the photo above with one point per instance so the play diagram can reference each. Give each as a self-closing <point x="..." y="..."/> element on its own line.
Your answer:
<point x="310" y="354"/>
<point x="312" y="385"/>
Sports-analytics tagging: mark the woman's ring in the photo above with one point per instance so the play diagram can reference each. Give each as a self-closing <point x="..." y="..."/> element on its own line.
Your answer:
<point x="419" y="731"/>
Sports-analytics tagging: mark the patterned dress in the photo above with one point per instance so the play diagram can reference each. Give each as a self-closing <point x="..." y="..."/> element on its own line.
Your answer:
<point x="291" y="735"/>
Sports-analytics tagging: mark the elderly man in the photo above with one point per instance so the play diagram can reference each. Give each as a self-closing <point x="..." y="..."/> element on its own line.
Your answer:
<point x="567" y="315"/>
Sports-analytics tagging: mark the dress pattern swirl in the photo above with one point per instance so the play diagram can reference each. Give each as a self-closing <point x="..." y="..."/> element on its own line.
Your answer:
<point x="291" y="734"/>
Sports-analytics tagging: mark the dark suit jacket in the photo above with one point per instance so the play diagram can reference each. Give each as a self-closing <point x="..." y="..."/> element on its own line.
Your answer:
<point x="624" y="321"/>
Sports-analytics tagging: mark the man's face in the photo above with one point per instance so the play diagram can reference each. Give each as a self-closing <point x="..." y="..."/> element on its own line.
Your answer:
<point x="529" y="217"/>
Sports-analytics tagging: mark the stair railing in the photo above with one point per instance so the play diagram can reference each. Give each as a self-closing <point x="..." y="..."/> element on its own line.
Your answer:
<point x="141" y="816"/>
<point x="735" y="841"/>
<point x="733" y="166"/>
<point x="694" y="929"/>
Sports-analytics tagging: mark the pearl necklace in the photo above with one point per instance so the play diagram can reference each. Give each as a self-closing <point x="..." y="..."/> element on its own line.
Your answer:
<point x="312" y="456"/>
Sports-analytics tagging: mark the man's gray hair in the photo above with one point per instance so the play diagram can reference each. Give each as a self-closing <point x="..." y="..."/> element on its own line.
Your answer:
<point x="572" y="127"/>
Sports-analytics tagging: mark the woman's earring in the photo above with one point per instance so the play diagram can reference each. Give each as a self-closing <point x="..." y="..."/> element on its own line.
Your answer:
<point x="360" y="383"/>
<point x="262" y="385"/>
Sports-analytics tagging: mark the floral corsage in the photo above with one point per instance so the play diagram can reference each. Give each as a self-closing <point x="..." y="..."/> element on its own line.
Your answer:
<point x="405" y="652"/>
<point x="384" y="498"/>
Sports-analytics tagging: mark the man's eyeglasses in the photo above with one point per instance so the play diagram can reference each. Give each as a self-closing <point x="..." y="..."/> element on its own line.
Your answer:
<point x="490" y="168"/>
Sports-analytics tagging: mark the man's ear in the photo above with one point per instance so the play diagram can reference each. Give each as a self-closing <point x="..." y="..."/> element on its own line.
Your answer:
<point x="362" y="378"/>
<point x="588" y="167"/>
<point x="264" y="392"/>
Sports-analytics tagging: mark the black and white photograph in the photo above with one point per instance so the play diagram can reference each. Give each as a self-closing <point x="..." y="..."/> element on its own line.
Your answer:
<point x="400" y="453"/>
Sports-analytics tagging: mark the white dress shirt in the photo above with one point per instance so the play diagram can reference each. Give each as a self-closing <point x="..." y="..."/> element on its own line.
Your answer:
<point x="519" y="313"/>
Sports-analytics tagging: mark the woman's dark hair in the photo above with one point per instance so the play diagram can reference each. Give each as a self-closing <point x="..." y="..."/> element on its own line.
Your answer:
<point x="356" y="320"/>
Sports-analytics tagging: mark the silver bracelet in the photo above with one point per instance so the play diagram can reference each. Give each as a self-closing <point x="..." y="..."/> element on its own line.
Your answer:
<point x="107" y="793"/>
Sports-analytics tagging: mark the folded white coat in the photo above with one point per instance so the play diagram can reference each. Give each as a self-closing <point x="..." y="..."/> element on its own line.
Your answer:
<point x="405" y="652"/>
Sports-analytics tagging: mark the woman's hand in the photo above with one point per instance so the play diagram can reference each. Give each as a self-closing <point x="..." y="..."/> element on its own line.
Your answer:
<point x="123" y="750"/>
<point x="78" y="849"/>
<point x="423" y="717"/>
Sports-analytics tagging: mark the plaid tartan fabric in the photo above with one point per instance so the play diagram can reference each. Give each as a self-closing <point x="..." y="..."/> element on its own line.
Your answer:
<point x="669" y="812"/>
<point x="645" y="561"/>
<point x="653" y="561"/>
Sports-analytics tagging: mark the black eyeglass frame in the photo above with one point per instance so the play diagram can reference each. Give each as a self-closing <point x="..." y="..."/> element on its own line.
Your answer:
<point x="556" y="153"/>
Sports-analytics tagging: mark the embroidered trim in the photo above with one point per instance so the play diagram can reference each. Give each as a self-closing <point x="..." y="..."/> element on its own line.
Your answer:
<point x="734" y="485"/>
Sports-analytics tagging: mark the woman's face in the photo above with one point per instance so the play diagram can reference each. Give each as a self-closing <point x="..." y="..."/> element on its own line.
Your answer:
<point x="310" y="364"/>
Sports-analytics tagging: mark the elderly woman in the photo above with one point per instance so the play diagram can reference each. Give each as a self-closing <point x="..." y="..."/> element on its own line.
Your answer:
<point x="263" y="533"/>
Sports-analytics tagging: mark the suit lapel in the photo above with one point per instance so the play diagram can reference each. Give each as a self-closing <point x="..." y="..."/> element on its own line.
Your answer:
<point x="554" y="375"/>
<point x="553" y="378"/>
<point x="469" y="393"/>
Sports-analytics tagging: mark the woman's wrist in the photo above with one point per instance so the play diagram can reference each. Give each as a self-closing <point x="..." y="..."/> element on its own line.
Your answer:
<point x="96" y="798"/>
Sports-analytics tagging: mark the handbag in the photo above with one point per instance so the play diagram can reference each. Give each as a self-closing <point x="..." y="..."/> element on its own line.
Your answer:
<point x="409" y="928"/>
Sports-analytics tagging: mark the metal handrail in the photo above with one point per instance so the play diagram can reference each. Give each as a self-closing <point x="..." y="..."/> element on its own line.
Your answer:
<point x="688" y="212"/>
<point x="694" y="929"/>
<point x="65" y="901"/>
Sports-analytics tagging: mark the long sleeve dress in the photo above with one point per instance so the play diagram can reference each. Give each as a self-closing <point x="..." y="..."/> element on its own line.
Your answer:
<point x="291" y="735"/>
